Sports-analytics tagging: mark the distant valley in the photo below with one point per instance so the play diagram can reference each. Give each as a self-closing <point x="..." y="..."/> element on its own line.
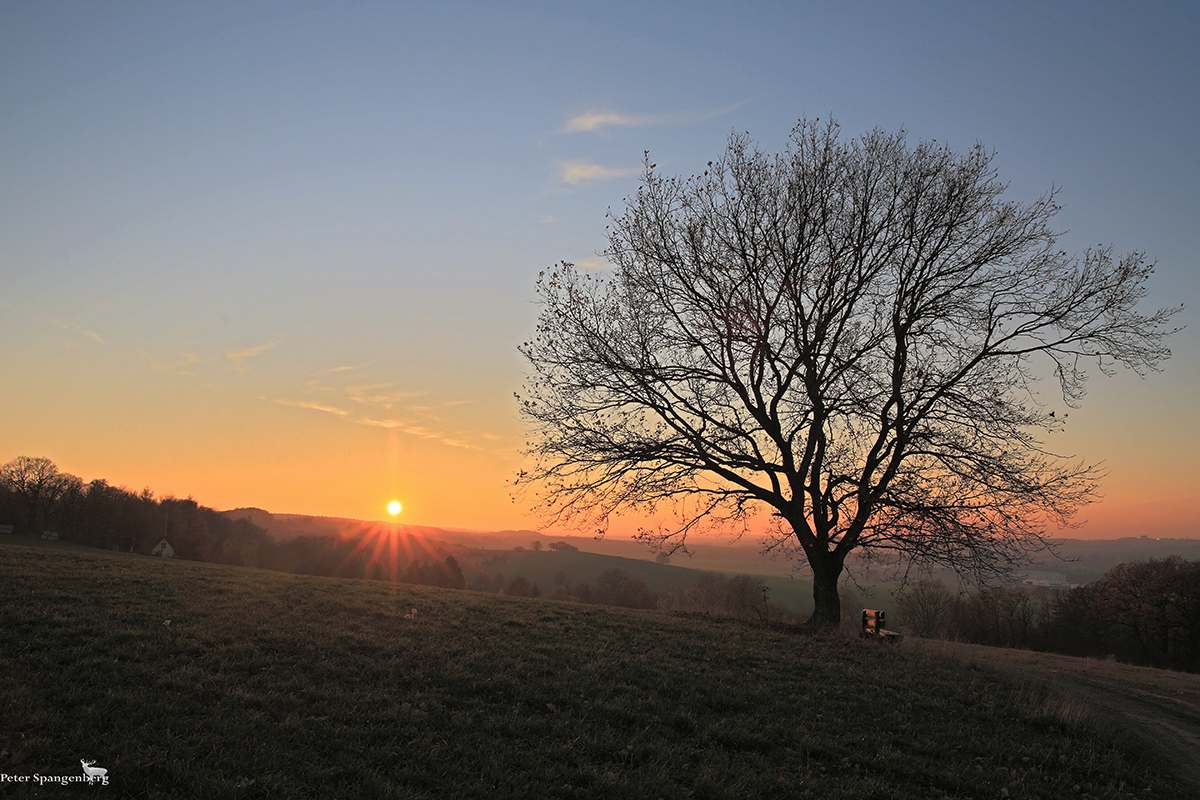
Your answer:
<point x="1082" y="560"/>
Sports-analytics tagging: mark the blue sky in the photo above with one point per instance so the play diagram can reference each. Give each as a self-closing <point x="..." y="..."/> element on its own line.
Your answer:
<point x="281" y="254"/>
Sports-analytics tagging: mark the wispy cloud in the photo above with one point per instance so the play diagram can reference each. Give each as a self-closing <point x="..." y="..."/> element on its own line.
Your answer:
<point x="380" y="404"/>
<point x="595" y="120"/>
<point x="239" y="358"/>
<point x="592" y="121"/>
<point x="380" y="394"/>
<point x="580" y="173"/>
<point x="180" y="363"/>
<point x="420" y="431"/>
<point x="71" y="326"/>
<point x="397" y="424"/>
<point x="347" y="368"/>
<point x="315" y="406"/>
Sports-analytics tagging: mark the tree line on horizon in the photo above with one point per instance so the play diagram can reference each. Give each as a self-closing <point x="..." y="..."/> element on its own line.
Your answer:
<point x="36" y="496"/>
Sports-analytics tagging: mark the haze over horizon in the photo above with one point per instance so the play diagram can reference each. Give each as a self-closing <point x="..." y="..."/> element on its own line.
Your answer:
<point x="282" y="255"/>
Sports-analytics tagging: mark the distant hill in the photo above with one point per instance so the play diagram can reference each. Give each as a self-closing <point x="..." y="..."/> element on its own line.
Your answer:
<point x="285" y="527"/>
<point x="258" y="516"/>
<point x="547" y="568"/>
<point x="1086" y="560"/>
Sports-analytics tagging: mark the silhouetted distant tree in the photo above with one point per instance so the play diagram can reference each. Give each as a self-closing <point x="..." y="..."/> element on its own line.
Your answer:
<point x="72" y="507"/>
<point x="927" y="607"/>
<point x="35" y="487"/>
<point x="98" y="525"/>
<point x="615" y="587"/>
<point x="1079" y="624"/>
<point x="845" y="336"/>
<point x="1143" y="611"/>
<point x="563" y="547"/>
<point x="415" y="572"/>
<point x="454" y="573"/>
<point x="304" y="555"/>
<point x="248" y="545"/>
<point x="446" y="574"/>
<point x="186" y="527"/>
<point x="519" y="587"/>
<point x="112" y="516"/>
<point x="740" y="596"/>
<point x="488" y="581"/>
<point x="1000" y="616"/>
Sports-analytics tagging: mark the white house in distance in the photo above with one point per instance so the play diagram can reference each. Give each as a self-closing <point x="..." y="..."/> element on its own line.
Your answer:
<point x="163" y="549"/>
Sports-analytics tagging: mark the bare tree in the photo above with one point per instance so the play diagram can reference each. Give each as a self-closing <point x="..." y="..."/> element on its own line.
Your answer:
<point x="38" y="489"/>
<point x="926" y="606"/>
<point x="848" y="336"/>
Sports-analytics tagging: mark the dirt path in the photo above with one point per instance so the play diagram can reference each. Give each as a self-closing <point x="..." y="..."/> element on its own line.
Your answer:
<point x="1159" y="710"/>
<point x="1164" y="725"/>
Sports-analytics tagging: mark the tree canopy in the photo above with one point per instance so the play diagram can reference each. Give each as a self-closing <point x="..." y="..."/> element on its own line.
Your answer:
<point x="847" y="336"/>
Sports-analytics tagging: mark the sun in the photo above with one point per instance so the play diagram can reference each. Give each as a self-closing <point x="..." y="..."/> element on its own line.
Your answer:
<point x="394" y="508"/>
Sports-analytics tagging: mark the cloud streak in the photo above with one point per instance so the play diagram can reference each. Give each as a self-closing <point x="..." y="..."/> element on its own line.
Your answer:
<point x="238" y="358"/>
<point x="590" y="121"/>
<point x="593" y="121"/>
<point x="179" y="363"/>
<point x="382" y="404"/>
<point x="347" y="368"/>
<point x="380" y="394"/>
<point x="70" y="326"/>
<point x="412" y="429"/>
<point x="315" y="406"/>
<point x="581" y="173"/>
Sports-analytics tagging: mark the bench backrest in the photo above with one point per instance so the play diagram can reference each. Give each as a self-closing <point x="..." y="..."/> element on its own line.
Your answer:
<point x="872" y="622"/>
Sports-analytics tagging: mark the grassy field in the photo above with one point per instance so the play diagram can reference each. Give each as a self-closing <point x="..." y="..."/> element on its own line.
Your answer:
<point x="193" y="680"/>
<point x="543" y="568"/>
<point x="792" y="595"/>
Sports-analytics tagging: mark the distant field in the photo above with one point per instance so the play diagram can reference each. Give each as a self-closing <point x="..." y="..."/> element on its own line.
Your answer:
<point x="792" y="594"/>
<point x="187" y="680"/>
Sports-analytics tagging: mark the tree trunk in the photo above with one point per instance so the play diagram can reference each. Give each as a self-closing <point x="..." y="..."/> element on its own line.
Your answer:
<point x="827" y="569"/>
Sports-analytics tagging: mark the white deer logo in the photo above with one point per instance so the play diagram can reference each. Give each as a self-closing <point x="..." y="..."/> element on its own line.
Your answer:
<point x="93" y="772"/>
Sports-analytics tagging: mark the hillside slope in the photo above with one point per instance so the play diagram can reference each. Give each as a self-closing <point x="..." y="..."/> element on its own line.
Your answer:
<point x="188" y="680"/>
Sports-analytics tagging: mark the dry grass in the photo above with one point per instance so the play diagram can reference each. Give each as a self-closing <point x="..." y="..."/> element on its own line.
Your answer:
<point x="1183" y="685"/>
<point x="204" y="681"/>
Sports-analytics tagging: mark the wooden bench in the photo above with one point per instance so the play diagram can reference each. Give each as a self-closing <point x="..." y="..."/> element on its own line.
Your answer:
<point x="50" y="536"/>
<point x="872" y="626"/>
<point x="6" y="528"/>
